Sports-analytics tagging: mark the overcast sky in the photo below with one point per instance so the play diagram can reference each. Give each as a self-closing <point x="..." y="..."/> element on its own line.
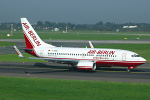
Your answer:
<point x="76" y="11"/>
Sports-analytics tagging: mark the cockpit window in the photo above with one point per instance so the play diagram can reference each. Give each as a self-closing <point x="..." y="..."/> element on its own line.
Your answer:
<point x="135" y="55"/>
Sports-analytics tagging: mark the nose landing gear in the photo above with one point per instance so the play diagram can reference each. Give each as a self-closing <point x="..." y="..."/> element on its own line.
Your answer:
<point x="131" y="67"/>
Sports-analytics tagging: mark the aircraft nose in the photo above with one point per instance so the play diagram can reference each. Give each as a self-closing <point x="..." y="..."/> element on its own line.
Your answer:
<point x="142" y="59"/>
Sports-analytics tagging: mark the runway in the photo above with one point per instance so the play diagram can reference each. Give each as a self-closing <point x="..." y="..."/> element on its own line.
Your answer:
<point x="61" y="71"/>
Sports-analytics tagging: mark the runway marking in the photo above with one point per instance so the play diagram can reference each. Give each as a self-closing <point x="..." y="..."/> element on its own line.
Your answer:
<point x="47" y="68"/>
<point x="31" y="68"/>
<point x="60" y="69"/>
<point x="110" y="71"/>
<point x="38" y="68"/>
<point x="11" y="67"/>
<point x="139" y="72"/>
<point x="144" y="67"/>
<point x="126" y="67"/>
<point x="121" y="71"/>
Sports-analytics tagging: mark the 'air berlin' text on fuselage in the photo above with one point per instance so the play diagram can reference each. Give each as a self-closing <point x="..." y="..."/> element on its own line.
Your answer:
<point x="32" y="34"/>
<point x="101" y="52"/>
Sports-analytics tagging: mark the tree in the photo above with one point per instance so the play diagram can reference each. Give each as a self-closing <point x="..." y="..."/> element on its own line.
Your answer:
<point x="47" y="24"/>
<point x="40" y="23"/>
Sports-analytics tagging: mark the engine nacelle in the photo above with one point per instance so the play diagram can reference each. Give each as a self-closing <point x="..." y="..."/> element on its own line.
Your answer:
<point x="86" y="65"/>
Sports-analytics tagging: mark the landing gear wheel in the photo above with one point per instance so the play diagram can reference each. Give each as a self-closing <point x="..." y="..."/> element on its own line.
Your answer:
<point x="128" y="70"/>
<point x="73" y="69"/>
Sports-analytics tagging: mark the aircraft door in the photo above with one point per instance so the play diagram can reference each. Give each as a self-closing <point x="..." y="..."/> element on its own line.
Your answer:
<point x="124" y="56"/>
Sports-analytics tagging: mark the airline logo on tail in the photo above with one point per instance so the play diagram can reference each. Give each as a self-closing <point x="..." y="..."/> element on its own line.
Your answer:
<point x="37" y="42"/>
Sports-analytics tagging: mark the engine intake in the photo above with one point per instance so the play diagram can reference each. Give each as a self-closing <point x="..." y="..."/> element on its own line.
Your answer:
<point x="86" y="65"/>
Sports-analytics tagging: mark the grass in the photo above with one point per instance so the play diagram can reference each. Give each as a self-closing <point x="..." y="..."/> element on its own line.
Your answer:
<point x="70" y="36"/>
<point x="78" y="35"/>
<point x="56" y="89"/>
<point x="15" y="58"/>
<point x="2" y="44"/>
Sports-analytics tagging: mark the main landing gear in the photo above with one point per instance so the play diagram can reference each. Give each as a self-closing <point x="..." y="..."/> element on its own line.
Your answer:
<point x="129" y="68"/>
<point x="73" y="68"/>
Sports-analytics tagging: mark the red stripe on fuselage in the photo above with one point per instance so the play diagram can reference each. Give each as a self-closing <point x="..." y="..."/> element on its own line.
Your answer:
<point x="109" y="62"/>
<point x="119" y="63"/>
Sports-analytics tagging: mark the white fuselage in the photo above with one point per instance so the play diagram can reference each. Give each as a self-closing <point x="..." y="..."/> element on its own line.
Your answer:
<point x="100" y="56"/>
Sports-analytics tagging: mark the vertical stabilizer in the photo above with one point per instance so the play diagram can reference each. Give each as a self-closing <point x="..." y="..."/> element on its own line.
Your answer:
<point x="31" y="37"/>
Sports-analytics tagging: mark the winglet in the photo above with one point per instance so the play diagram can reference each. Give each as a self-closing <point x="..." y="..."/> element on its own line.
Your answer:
<point x="18" y="52"/>
<point x="91" y="45"/>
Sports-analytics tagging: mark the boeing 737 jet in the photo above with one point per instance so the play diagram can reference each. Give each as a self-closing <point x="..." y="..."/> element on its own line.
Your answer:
<point x="80" y="58"/>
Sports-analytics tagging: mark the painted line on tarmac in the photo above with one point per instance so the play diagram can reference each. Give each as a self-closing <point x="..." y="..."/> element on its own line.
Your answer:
<point x="47" y="68"/>
<point x="38" y="68"/>
<point x="126" y="67"/>
<point x="31" y="68"/>
<point x="144" y="67"/>
<point x="123" y="72"/>
<point x="140" y="72"/>
<point x="110" y="71"/>
<point x="10" y="67"/>
<point x="114" y="67"/>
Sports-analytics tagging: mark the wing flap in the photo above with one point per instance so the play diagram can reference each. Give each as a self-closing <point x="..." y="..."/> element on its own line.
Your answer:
<point x="57" y="60"/>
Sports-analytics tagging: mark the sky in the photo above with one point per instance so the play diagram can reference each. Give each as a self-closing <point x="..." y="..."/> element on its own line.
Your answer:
<point x="76" y="11"/>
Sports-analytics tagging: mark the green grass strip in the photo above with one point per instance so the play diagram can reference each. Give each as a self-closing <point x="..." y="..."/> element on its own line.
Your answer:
<point x="2" y="44"/>
<point x="15" y="58"/>
<point x="78" y="35"/>
<point x="56" y="89"/>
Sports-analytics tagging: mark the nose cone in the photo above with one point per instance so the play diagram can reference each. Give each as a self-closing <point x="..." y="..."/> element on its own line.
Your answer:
<point x="143" y="60"/>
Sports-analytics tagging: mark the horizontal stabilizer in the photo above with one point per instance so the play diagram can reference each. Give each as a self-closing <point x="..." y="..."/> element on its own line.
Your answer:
<point x="18" y="52"/>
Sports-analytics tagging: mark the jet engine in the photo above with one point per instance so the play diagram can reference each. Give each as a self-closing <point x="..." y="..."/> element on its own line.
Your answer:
<point x="86" y="65"/>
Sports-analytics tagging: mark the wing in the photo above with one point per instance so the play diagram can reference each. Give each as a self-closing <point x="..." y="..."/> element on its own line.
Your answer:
<point x="81" y="64"/>
<point x="64" y="61"/>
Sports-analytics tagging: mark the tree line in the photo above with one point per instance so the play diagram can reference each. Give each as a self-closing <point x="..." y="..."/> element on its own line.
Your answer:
<point x="100" y="26"/>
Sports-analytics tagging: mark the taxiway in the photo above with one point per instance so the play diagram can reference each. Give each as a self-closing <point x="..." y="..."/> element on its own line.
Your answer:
<point x="61" y="71"/>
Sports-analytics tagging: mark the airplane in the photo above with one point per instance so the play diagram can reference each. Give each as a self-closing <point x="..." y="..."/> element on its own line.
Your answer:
<point x="130" y="26"/>
<point x="79" y="58"/>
